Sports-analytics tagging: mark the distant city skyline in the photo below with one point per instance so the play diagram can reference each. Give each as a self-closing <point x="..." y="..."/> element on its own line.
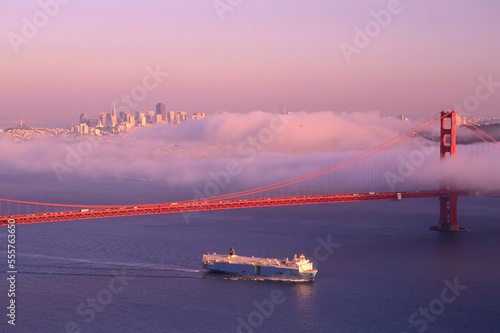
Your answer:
<point x="64" y="58"/>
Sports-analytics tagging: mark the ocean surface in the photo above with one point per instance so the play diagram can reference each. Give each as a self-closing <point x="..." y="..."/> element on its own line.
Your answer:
<point x="380" y="267"/>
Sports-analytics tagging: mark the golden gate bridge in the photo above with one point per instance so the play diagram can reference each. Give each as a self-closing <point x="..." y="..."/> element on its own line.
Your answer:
<point x="359" y="178"/>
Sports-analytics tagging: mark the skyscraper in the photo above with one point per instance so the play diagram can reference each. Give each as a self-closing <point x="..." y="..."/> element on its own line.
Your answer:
<point x="150" y="117"/>
<point x="171" y="117"/>
<point x="160" y="108"/>
<point x="156" y="119"/>
<point x="102" y="118"/>
<point x="164" y="117"/>
<point x="183" y="115"/>
<point x="138" y="115"/>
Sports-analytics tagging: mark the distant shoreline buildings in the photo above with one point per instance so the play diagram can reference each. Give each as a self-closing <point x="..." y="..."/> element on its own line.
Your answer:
<point x="114" y="122"/>
<point x="107" y="124"/>
<point x="401" y="117"/>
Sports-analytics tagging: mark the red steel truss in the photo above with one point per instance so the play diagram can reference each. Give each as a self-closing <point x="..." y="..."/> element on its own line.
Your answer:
<point x="174" y="207"/>
<point x="448" y="148"/>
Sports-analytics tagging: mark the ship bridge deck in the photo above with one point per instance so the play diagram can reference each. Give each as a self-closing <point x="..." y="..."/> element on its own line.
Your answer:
<point x="300" y="263"/>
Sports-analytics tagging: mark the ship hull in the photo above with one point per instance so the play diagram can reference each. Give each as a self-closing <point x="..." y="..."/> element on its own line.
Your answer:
<point x="261" y="272"/>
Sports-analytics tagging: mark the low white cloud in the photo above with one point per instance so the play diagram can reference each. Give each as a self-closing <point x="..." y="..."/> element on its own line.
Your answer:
<point x="264" y="147"/>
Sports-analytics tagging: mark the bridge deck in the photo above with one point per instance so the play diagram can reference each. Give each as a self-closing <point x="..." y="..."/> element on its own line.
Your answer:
<point x="179" y="207"/>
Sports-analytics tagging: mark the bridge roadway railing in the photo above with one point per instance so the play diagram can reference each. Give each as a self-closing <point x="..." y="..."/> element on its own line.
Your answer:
<point x="179" y="207"/>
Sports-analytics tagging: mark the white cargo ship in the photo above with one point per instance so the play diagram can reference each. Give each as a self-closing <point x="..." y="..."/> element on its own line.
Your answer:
<point x="298" y="269"/>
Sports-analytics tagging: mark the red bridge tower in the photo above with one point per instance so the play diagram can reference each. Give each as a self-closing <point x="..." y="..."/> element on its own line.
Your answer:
<point x="448" y="148"/>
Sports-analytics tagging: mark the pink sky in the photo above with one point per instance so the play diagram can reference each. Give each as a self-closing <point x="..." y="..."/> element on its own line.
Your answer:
<point x="262" y="55"/>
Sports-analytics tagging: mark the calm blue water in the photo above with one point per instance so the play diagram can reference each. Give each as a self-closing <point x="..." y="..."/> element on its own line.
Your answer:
<point x="387" y="265"/>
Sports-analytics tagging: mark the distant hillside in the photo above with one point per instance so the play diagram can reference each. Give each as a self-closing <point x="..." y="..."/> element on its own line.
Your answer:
<point x="492" y="130"/>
